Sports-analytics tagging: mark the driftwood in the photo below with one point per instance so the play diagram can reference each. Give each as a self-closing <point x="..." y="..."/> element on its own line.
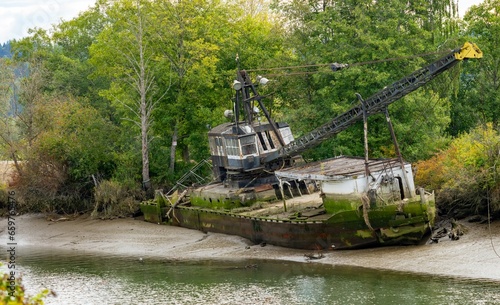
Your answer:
<point x="59" y="219"/>
<point x="310" y="256"/>
<point x="447" y="227"/>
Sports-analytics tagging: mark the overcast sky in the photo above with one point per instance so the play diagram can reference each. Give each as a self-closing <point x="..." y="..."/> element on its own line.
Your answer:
<point x="17" y="16"/>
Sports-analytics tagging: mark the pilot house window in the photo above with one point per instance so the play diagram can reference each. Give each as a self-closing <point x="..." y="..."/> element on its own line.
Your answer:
<point x="232" y="147"/>
<point x="262" y="142"/>
<point x="270" y="139"/>
<point x="266" y="140"/>
<point x="248" y="146"/>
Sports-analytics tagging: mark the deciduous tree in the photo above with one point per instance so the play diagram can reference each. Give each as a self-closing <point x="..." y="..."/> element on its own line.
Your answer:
<point x="379" y="42"/>
<point x="481" y="95"/>
<point x="124" y="53"/>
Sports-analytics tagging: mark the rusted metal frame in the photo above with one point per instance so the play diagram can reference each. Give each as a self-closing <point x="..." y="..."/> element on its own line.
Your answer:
<point x="249" y="109"/>
<point x="270" y="120"/>
<point x="192" y="172"/>
<point x="282" y="193"/>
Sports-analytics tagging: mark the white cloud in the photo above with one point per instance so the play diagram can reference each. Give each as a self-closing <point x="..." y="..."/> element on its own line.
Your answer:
<point x="20" y="15"/>
<point x="464" y="5"/>
<point x="17" y="16"/>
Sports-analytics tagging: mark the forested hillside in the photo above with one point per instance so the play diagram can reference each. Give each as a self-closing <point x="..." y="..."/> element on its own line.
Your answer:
<point x="5" y="50"/>
<point x="117" y="102"/>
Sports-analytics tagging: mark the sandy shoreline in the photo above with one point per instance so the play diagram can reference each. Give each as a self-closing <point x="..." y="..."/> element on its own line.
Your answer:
<point x="472" y="256"/>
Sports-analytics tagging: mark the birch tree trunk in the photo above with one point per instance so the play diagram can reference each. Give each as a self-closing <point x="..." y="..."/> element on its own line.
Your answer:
<point x="173" y="150"/>
<point x="144" y="111"/>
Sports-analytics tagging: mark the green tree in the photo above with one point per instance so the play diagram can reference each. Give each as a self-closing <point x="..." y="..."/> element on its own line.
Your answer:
<point x="190" y="36"/>
<point x="466" y="175"/>
<point x="198" y="42"/>
<point x="21" y="96"/>
<point x="65" y="143"/>
<point x="125" y="54"/>
<point x="478" y="101"/>
<point x="8" y="104"/>
<point x="363" y="34"/>
<point x="69" y="64"/>
<point x="73" y="151"/>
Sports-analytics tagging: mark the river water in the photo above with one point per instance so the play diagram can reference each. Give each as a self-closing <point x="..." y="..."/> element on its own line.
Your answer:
<point x="84" y="278"/>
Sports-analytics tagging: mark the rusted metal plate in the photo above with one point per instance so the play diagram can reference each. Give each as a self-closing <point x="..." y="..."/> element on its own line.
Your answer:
<point x="312" y="235"/>
<point x="263" y="187"/>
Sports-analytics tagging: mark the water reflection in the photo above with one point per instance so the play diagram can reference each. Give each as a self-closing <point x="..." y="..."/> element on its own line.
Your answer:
<point x="83" y="278"/>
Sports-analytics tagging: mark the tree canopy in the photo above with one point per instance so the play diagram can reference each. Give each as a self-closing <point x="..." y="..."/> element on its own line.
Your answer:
<point x="126" y="91"/>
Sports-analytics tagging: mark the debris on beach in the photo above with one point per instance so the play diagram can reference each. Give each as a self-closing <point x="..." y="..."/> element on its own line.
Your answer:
<point x="447" y="228"/>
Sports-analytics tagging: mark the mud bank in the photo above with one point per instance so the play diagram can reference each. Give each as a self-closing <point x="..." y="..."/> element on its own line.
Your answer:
<point x="472" y="256"/>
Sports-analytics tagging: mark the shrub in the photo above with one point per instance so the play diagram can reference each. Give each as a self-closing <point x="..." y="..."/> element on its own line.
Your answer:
<point x="466" y="176"/>
<point x="430" y="173"/>
<point x="44" y="187"/>
<point x="114" y="199"/>
<point x="3" y="198"/>
<point x="39" y="183"/>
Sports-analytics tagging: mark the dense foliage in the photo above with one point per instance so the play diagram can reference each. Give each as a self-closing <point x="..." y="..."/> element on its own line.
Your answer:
<point x="359" y="33"/>
<point x="117" y="101"/>
<point x="467" y="174"/>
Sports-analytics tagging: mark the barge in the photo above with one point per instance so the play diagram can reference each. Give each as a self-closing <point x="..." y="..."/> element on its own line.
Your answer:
<point x="261" y="191"/>
<point x="340" y="215"/>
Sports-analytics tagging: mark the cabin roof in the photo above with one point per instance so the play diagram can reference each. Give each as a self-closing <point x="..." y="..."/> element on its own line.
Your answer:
<point x="219" y="129"/>
<point x="337" y="168"/>
<point x="227" y="128"/>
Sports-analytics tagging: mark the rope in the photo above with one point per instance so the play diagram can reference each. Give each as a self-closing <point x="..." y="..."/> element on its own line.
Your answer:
<point x="366" y="206"/>
<point x="489" y="226"/>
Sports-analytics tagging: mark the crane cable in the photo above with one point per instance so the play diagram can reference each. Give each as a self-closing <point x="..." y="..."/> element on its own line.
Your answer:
<point x="489" y="216"/>
<point x="429" y="104"/>
<point x="489" y="230"/>
<point x="330" y="64"/>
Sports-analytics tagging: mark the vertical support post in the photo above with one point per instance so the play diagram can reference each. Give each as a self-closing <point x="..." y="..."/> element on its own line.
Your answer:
<point x="298" y="187"/>
<point x="237" y="109"/>
<point x="397" y="151"/>
<point x="423" y="198"/>
<point x="270" y="120"/>
<point x="237" y="97"/>
<point x="365" y="136"/>
<point x="282" y="193"/>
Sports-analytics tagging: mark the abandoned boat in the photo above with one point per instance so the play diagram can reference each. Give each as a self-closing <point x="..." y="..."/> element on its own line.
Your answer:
<point x="340" y="216"/>
<point x="261" y="191"/>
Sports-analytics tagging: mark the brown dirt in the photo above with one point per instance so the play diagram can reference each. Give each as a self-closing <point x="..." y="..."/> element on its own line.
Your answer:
<point x="472" y="256"/>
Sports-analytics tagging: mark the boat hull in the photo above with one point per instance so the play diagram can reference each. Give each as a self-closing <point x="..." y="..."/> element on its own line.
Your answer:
<point x="345" y="230"/>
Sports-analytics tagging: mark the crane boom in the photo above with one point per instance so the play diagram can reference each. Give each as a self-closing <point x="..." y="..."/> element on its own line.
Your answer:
<point x="379" y="101"/>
